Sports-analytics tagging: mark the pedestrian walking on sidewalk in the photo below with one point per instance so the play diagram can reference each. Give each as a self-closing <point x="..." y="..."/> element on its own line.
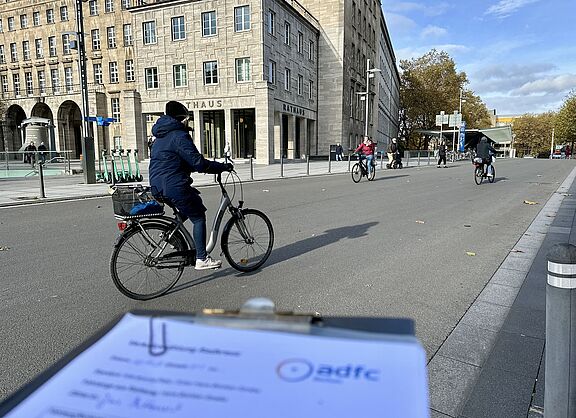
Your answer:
<point x="391" y="152"/>
<point x="30" y="154"/>
<point x="339" y="152"/>
<point x="42" y="152"/>
<point x="442" y="154"/>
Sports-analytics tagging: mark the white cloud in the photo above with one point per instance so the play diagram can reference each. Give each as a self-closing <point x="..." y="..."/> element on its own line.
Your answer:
<point x="505" y="8"/>
<point x="431" y="31"/>
<point x="553" y="84"/>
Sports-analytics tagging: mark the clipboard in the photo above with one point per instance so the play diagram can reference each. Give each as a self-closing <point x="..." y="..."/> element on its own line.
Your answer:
<point x="296" y="357"/>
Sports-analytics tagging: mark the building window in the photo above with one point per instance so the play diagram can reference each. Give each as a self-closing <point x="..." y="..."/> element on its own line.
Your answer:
<point x="210" y="72"/>
<point x="300" y="42"/>
<point x="311" y="90"/>
<point x="126" y="4"/>
<point x="178" y="28"/>
<point x="55" y="81"/>
<point x="113" y="70"/>
<point x="287" y="76"/>
<point x="287" y="33"/>
<point x="115" y="105"/>
<point x="271" y="22"/>
<point x="242" y="70"/>
<point x="129" y="67"/>
<point x="26" y="50"/>
<point x="4" y="83"/>
<point x="1" y="27"/>
<point x="151" y="78"/>
<point x="93" y="7"/>
<point x="39" y="49"/>
<point x="98" y="74"/>
<point x="64" y="13"/>
<point x="117" y="142"/>
<point x="209" y="23"/>
<point x="271" y="72"/>
<point x="95" y="35"/>
<point x="42" y="82"/>
<point x="179" y="75"/>
<point x="52" y="46"/>
<point x="300" y="84"/>
<point x="127" y="29"/>
<point x="2" y="55"/>
<point x="66" y="44"/>
<point x="68" y="79"/>
<point x="16" y="82"/>
<point x="311" y="50"/>
<point x="35" y="19"/>
<point x="241" y="18"/>
<point x="149" y="29"/>
<point x="109" y="6"/>
<point x="111" y="33"/>
<point x="13" y="53"/>
<point x="50" y="16"/>
<point x="29" y="83"/>
<point x="23" y="21"/>
<point x="11" y="25"/>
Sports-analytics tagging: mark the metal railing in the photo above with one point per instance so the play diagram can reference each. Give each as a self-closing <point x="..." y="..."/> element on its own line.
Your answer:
<point x="26" y="162"/>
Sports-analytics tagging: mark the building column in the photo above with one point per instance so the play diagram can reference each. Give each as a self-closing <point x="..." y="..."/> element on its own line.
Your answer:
<point x="133" y="120"/>
<point x="291" y="136"/>
<point x="198" y="131"/>
<point x="228" y="127"/>
<point x="303" y="136"/>
<point x="277" y="135"/>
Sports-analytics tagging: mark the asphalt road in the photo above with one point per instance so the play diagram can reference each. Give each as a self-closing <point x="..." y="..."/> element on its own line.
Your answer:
<point x="393" y="247"/>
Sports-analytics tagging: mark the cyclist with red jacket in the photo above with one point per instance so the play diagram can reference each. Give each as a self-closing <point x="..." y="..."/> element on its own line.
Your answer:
<point x="366" y="150"/>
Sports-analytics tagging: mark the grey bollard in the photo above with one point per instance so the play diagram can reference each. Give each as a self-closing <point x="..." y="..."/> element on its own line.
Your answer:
<point x="560" y="372"/>
<point x="307" y="164"/>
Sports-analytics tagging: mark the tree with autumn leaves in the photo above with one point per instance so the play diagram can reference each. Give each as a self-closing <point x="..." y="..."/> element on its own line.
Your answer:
<point x="428" y="85"/>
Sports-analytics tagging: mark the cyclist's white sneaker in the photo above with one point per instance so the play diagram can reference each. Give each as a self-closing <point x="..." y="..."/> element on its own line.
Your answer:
<point x="207" y="264"/>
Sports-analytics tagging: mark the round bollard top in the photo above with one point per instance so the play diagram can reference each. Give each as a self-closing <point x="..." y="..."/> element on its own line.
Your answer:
<point x="562" y="254"/>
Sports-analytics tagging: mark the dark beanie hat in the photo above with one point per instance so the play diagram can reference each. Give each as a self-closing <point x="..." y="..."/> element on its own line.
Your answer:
<point x="177" y="110"/>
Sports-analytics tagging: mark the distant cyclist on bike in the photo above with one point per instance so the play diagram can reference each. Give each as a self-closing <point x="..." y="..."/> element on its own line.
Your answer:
<point x="173" y="159"/>
<point x="485" y="151"/>
<point x="366" y="150"/>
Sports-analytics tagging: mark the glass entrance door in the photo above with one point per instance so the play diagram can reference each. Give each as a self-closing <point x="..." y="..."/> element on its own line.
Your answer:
<point x="244" y="133"/>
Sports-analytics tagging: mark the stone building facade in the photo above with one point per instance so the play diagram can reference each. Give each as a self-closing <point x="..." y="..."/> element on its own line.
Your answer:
<point x="271" y="78"/>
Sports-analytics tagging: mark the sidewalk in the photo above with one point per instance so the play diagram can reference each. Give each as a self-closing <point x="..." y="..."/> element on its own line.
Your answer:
<point x="492" y="364"/>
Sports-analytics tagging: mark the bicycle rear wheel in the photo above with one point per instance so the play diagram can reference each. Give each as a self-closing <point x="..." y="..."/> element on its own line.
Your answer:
<point x="478" y="175"/>
<point x="247" y="240"/>
<point x="356" y="173"/>
<point x="136" y="269"/>
<point x="372" y="174"/>
<point x="493" y="177"/>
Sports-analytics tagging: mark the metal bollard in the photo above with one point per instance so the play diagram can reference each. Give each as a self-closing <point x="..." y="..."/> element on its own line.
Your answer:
<point x="41" y="172"/>
<point x="251" y="167"/>
<point x="307" y="164"/>
<point x="560" y="379"/>
<point x="282" y="165"/>
<point x="428" y="157"/>
<point x="349" y="159"/>
<point x="418" y="158"/>
<point x="329" y="162"/>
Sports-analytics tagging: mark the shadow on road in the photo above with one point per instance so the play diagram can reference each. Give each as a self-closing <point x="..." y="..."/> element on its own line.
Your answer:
<point x="330" y="236"/>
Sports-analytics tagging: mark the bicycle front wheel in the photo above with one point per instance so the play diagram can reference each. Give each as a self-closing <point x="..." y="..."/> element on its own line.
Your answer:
<point x="138" y="268"/>
<point x="493" y="177"/>
<point x="356" y="173"/>
<point x="478" y="175"/>
<point x="247" y="240"/>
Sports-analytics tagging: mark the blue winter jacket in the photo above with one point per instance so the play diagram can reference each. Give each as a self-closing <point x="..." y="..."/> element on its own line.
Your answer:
<point x="174" y="158"/>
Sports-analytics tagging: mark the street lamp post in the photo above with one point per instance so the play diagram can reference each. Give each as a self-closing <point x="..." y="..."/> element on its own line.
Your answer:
<point x="369" y="74"/>
<point x="88" y="158"/>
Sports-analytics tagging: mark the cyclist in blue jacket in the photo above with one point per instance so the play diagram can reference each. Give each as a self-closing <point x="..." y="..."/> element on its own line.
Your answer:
<point x="173" y="159"/>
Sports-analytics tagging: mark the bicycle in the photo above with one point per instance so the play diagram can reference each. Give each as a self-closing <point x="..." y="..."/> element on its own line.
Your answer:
<point x="360" y="169"/>
<point x="480" y="172"/>
<point x="153" y="249"/>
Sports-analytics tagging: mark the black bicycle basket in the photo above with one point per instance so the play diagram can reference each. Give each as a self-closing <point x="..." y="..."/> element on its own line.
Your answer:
<point x="134" y="202"/>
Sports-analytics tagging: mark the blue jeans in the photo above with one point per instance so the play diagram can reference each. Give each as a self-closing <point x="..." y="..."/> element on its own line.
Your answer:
<point x="369" y="159"/>
<point x="199" y="235"/>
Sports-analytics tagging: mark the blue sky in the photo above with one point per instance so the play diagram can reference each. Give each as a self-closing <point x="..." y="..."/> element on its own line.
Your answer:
<point x="519" y="55"/>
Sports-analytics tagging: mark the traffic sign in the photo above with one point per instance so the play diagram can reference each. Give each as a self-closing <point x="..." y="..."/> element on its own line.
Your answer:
<point x="455" y="119"/>
<point x="442" y="119"/>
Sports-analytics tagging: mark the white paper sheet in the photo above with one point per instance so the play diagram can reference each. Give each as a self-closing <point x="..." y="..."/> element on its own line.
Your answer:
<point x="207" y="371"/>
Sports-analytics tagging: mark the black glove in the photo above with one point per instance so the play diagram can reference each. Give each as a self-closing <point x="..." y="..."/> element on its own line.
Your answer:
<point x="229" y="167"/>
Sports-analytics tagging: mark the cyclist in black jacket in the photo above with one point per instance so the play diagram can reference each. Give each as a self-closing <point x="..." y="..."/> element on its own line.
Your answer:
<point x="485" y="151"/>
